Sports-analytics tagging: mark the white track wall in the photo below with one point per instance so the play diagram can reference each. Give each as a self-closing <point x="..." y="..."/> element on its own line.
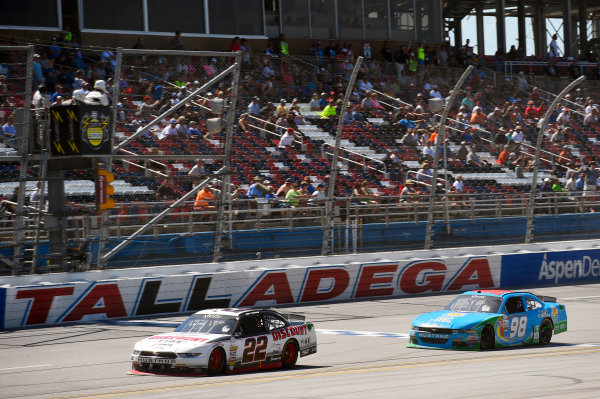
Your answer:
<point x="84" y="297"/>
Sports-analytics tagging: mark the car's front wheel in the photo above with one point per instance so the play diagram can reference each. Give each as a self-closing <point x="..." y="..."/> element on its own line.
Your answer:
<point x="487" y="339"/>
<point x="216" y="361"/>
<point x="289" y="356"/>
<point x="545" y="332"/>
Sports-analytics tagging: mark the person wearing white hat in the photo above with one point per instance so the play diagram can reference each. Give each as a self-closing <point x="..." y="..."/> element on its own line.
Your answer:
<point x="98" y="96"/>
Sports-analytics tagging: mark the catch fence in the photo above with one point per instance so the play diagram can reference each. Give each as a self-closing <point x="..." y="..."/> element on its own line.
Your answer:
<point x="214" y="123"/>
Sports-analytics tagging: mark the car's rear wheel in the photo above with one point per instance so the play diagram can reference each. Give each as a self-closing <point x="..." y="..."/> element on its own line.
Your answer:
<point x="216" y="361"/>
<point x="289" y="355"/>
<point x="545" y="332"/>
<point x="487" y="339"/>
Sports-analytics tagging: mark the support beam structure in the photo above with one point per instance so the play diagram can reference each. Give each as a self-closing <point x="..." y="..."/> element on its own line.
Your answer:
<point x="521" y="24"/>
<point x="501" y="24"/>
<point x="566" y="8"/>
<point x="480" y="34"/>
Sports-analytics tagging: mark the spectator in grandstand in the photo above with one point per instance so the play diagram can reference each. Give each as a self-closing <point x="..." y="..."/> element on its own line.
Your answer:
<point x="592" y="117"/>
<point x="283" y="47"/>
<point x="169" y="131"/>
<point x="474" y="160"/>
<point x="329" y="111"/>
<point x="193" y="131"/>
<point x="319" y="195"/>
<point x="79" y="79"/>
<point x="146" y="108"/>
<point x="424" y="174"/>
<point x="458" y="196"/>
<point x="284" y="188"/>
<point x="573" y="69"/>
<point x="270" y="49"/>
<point x="176" y="42"/>
<point x="553" y="47"/>
<point x="294" y="195"/>
<point x="522" y="82"/>
<point x="315" y="103"/>
<point x="254" y="107"/>
<point x="38" y="76"/>
<point x="532" y="112"/>
<point x="467" y="100"/>
<point x="408" y="193"/>
<point x="478" y="118"/>
<point x="518" y="135"/>
<point x="282" y="109"/>
<point x="182" y="128"/>
<point x="41" y="98"/>
<point x="167" y="191"/>
<point x="410" y="138"/>
<point x="54" y="50"/>
<point x="199" y="169"/>
<point x="563" y="117"/>
<point x="428" y="152"/>
<point x="205" y="200"/>
<point x="287" y="139"/>
<point x="8" y="129"/>
<point x="259" y="188"/>
<point x="98" y="96"/>
<point x="435" y="92"/>
<point x="557" y="136"/>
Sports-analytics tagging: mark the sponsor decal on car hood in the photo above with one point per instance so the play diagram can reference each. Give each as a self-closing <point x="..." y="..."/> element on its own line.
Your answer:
<point x="176" y="342"/>
<point x="447" y="319"/>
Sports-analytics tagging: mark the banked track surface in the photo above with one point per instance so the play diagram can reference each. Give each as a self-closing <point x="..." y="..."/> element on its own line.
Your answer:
<point x="362" y="353"/>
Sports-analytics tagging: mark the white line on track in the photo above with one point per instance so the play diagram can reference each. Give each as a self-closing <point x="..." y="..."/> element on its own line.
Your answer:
<point x="362" y="333"/>
<point x="581" y="297"/>
<point x="25" y="367"/>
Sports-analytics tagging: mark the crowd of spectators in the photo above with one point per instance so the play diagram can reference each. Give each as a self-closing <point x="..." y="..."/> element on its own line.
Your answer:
<point x="499" y="118"/>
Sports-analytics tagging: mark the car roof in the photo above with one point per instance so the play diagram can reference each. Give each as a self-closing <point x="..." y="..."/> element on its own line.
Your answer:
<point x="234" y="312"/>
<point x="498" y="293"/>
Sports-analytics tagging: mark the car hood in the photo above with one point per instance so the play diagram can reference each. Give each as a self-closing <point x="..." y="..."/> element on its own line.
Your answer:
<point x="177" y="341"/>
<point x="450" y="319"/>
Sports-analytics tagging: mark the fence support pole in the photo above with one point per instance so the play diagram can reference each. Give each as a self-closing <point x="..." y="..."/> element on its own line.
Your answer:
<point x="538" y="147"/>
<point x="436" y="155"/>
<point x="328" y="243"/>
<point x="225" y="196"/>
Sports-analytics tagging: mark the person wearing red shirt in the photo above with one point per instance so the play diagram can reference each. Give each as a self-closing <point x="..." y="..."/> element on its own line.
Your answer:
<point x="531" y="112"/>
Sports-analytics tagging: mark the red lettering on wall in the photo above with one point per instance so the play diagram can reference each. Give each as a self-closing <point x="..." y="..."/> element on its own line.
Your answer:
<point x="311" y="293"/>
<point x="477" y="272"/>
<point x="42" y="302"/>
<point x="280" y="293"/>
<point x="433" y="274"/>
<point x="368" y="277"/>
<point x="113" y="305"/>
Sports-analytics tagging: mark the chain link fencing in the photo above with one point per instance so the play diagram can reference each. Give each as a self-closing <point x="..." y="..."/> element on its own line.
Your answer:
<point x="216" y="163"/>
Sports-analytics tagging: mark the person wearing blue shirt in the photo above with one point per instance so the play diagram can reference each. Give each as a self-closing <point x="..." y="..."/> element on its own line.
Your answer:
<point x="258" y="189"/>
<point x="254" y="107"/>
<point x="9" y="129"/>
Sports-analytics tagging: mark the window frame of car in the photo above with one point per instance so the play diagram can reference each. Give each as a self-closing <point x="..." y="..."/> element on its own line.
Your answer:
<point x="518" y="297"/>
<point x="276" y="316"/>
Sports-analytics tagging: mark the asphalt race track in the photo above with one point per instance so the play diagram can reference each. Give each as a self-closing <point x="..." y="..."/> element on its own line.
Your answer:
<point x="362" y="353"/>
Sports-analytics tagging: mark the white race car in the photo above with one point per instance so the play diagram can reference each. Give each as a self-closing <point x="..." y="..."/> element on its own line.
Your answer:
<point x="218" y="340"/>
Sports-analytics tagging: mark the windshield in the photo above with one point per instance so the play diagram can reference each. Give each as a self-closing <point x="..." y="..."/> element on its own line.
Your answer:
<point x="208" y="324"/>
<point x="475" y="303"/>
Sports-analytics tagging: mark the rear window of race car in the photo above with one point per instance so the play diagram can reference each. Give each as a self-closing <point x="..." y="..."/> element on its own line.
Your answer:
<point x="475" y="304"/>
<point x="208" y="324"/>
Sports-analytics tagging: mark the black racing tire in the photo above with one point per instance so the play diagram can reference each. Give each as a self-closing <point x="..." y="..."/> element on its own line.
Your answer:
<point x="289" y="354"/>
<point x="546" y="330"/>
<point x="488" y="339"/>
<point x="216" y="361"/>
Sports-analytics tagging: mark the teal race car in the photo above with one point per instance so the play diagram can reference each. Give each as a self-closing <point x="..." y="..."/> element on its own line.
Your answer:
<point x="486" y="319"/>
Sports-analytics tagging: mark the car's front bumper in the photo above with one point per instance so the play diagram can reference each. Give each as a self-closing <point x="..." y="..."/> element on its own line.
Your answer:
<point x="464" y="340"/>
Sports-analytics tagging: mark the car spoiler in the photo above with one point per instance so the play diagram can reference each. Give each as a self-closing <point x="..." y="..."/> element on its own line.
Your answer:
<point x="293" y="316"/>
<point x="547" y="298"/>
